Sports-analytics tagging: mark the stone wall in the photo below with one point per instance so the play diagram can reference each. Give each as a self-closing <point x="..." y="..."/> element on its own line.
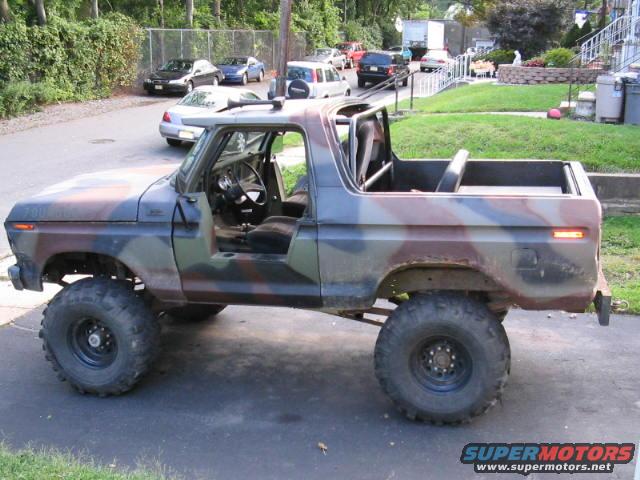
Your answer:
<point x="537" y="75"/>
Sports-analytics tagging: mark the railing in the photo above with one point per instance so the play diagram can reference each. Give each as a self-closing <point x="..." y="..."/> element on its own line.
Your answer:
<point x="395" y="81"/>
<point x="451" y="73"/>
<point x="613" y="34"/>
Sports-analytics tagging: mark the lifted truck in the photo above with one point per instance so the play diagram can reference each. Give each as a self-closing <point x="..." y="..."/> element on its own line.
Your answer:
<point x="452" y="245"/>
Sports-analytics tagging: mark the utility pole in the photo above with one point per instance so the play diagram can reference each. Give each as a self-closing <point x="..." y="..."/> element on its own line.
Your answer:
<point x="285" y="21"/>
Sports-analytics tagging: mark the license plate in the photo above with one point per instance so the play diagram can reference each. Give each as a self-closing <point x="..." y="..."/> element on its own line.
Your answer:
<point x="158" y="87"/>
<point x="373" y="69"/>
<point x="186" y="134"/>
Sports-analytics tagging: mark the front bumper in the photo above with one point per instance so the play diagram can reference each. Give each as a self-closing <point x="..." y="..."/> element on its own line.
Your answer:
<point x="180" y="132"/>
<point x="14" y="276"/>
<point x="232" y="78"/>
<point x="165" y="87"/>
<point x="602" y="300"/>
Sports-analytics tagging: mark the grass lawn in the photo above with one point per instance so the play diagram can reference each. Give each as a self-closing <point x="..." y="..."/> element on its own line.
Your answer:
<point x="621" y="258"/>
<point x="604" y="148"/>
<point x="36" y="465"/>
<point x="488" y="97"/>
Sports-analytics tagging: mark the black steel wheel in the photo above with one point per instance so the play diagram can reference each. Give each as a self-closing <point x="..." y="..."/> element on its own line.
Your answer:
<point x="100" y="336"/>
<point x="442" y="357"/>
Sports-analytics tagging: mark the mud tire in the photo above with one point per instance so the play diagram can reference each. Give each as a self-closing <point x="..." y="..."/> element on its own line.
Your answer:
<point x="116" y="306"/>
<point x="467" y="323"/>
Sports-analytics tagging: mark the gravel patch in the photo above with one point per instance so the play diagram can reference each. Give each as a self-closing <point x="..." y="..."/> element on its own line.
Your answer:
<point x="64" y="112"/>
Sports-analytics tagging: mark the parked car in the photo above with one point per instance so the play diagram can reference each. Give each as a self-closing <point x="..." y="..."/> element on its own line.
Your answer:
<point x="405" y="51"/>
<point x="453" y="243"/>
<point x="353" y="52"/>
<point x="182" y="76"/>
<point x="323" y="81"/>
<point x="332" y="56"/>
<point x="435" y="59"/>
<point x="376" y="67"/>
<point x="213" y="99"/>
<point x="242" y="69"/>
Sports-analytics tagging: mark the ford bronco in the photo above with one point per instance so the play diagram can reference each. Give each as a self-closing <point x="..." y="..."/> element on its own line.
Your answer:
<point x="435" y="252"/>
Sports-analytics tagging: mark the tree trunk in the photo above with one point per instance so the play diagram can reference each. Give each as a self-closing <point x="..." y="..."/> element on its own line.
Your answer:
<point x="161" y="33"/>
<point x="41" y="12"/>
<point x="285" y="23"/>
<point x="5" y="13"/>
<point x="95" y="12"/>
<point x="216" y="9"/>
<point x="190" y="13"/>
<point x="602" y="22"/>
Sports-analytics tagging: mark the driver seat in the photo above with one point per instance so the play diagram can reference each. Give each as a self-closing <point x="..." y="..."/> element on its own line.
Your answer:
<point x="273" y="235"/>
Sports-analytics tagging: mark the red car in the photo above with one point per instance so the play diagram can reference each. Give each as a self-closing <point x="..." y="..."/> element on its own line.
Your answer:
<point x="353" y="52"/>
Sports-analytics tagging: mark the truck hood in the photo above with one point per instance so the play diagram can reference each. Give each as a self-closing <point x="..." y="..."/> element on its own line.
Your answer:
<point x="109" y="196"/>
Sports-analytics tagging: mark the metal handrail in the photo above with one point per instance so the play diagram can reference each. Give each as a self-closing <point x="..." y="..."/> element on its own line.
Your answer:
<point x="614" y="33"/>
<point x="451" y="73"/>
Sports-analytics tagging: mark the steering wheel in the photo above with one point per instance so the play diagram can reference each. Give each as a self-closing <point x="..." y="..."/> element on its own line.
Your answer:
<point x="244" y="191"/>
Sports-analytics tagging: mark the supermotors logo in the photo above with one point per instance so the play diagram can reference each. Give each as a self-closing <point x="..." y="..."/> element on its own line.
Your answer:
<point x="526" y="458"/>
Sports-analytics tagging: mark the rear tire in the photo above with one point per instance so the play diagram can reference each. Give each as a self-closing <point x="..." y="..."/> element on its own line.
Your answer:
<point x="442" y="357"/>
<point x="100" y="336"/>
<point x="174" y="142"/>
<point x="361" y="83"/>
<point x="195" y="312"/>
<point x="260" y="76"/>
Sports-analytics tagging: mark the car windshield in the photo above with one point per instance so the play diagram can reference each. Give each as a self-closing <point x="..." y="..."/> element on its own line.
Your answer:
<point x="189" y="160"/>
<point x="202" y="98"/>
<point x="299" y="73"/>
<point x="395" y="49"/>
<point x="177" y="66"/>
<point x="323" y="51"/>
<point x="376" y="59"/>
<point x="344" y="46"/>
<point x="234" y="61"/>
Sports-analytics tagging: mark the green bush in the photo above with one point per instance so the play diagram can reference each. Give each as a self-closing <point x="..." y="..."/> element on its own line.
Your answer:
<point x="65" y="60"/>
<point x="370" y="35"/>
<point x="558" y="57"/>
<point x="498" y="57"/>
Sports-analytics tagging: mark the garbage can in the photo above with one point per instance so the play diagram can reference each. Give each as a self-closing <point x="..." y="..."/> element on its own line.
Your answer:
<point x="609" y="99"/>
<point x="632" y="104"/>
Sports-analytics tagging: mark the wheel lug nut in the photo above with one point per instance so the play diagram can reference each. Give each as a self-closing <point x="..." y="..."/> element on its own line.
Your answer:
<point x="431" y="352"/>
<point x="439" y="348"/>
<point x="430" y="361"/>
<point x="444" y="370"/>
<point x="448" y="350"/>
<point x="451" y="366"/>
<point x="453" y="357"/>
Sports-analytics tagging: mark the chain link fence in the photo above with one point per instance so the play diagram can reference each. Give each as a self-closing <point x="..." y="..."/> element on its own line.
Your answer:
<point x="161" y="45"/>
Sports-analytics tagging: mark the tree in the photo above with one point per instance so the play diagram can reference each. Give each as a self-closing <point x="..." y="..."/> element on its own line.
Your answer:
<point x="190" y="13"/>
<point x="527" y="25"/>
<point x="40" y="12"/>
<point x="94" y="9"/>
<point x="216" y="10"/>
<point x="571" y="37"/>
<point x="5" y="13"/>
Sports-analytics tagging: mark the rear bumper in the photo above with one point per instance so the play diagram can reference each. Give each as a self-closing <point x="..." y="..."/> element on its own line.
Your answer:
<point x="602" y="300"/>
<point x="373" y="77"/>
<point x="179" y="132"/>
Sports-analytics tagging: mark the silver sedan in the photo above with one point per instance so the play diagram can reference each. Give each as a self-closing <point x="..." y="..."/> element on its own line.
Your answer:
<point x="211" y="98"/>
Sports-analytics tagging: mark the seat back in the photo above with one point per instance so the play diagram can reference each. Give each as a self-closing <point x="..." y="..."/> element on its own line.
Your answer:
<point x="452" y="177"/>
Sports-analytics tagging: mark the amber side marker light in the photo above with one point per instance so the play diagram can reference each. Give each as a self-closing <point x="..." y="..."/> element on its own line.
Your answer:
<point x="568" y="234"/>
<point x="24" y="226"/>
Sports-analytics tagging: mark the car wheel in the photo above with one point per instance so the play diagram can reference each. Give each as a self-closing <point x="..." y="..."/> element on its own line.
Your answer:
<point x="405" y="82"/>
<point x="361" y="83"/>
<point x="347" y="93"/>
<point x="215" y="81"/>
<point x="342" y="65"/>
<point x="100" y="336"/>
<point x="422" y="69"/>
<point x="189" y="87"/>
<point x="174" y="142"/>
<point x="442" y="357"/>
<point x="195" y="313"/>
<point x="245" y="79"/>
<point x="260" y="76"/>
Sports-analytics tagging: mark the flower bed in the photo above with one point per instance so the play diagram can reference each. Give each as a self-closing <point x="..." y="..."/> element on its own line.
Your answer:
<point x="521" y="75"/>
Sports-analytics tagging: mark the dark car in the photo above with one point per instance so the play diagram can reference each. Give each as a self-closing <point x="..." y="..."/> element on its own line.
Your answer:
<point x="182" y="76"/>
<point x="242" y="69"/>
<point x="376" y="67"/>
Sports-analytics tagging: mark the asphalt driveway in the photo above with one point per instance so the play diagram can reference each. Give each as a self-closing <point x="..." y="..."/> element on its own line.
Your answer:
<point x="251" y="394"/>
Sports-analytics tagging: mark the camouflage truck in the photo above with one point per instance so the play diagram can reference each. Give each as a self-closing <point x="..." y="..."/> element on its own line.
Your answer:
<point x="435" y="252"/>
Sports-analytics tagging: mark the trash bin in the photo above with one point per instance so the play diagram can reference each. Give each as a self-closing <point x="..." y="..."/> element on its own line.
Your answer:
<point x="609" y="99"/>
<point x="632" y="104"/>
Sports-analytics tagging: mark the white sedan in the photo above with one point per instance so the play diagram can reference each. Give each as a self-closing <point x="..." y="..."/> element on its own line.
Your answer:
<point x="435" y="59"/>
<point x="332" y="56"/>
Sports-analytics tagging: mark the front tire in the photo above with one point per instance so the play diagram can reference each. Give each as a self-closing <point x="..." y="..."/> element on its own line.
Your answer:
<point x="361" y="83"/>
<point x="100" y="336"/>
<point x="443" y="358"/>
<point x="245" y="79"/>
<point x="216" y="82"/>
<point x="189" y="86"/>
<point x="260" y="76"/>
